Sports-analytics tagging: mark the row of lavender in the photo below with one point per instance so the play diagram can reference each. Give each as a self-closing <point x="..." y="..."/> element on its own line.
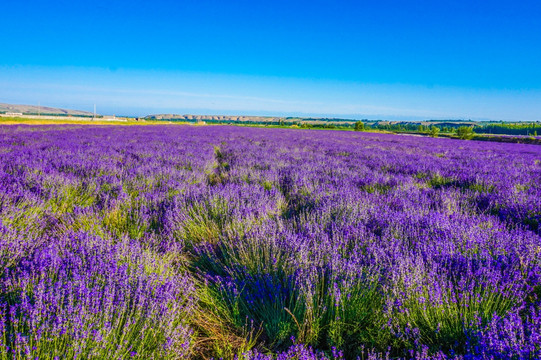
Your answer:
<point x="186" y="242"/>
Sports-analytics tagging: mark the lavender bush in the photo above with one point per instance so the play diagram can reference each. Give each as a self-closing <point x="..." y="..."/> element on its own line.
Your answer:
<point x="198" y="242"/>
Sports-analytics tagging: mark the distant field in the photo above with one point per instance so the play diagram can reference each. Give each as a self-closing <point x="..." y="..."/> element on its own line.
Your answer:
<point x="186" y="242"/>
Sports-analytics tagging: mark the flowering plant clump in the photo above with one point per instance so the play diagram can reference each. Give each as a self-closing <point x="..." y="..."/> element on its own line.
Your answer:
<point x="168" y="242"/>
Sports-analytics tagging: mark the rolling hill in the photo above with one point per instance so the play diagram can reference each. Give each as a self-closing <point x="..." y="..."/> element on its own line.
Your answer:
<point x="43" y="110"/>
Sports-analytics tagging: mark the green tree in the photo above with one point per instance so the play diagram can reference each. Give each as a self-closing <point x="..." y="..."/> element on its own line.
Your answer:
<point x="434" y="131"/>
<point x="465" y="132"/>
<point x="359" y="126"/>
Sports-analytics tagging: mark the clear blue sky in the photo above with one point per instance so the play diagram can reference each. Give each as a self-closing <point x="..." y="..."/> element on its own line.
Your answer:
<point x="394" y="59"/>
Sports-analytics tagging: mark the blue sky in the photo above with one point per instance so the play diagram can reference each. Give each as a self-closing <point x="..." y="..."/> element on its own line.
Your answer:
<point x="377" y="59"/>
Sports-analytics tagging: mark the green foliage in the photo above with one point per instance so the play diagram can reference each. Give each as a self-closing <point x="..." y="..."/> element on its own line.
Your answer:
<point x="359" y="126"/>
<point x="321" y="310"/>
<point x="267" y="185"/>
<point x="439" y="181"/>
<point x="353" y="316"/>
<point x="217" y="329"/>
<point x="510" y="128"/>
<point x="465" y="132"/>
<point x="308" y="125"/>
<point x="202" y="222"/>
<point x="442" y="323"/>
<point x="376" y="188"/>
<point x="434" y="131"/>
<point x="126" y="219"/>
<point x="65" y="198"/>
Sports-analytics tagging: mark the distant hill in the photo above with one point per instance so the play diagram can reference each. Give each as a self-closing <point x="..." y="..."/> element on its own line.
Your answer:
<point x="43" y="110"/>
<point x="211" y="117"/>
<point x="247" y="119"/>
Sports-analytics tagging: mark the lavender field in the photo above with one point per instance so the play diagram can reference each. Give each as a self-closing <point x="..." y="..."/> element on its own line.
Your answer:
<point x="179" y="242"/>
